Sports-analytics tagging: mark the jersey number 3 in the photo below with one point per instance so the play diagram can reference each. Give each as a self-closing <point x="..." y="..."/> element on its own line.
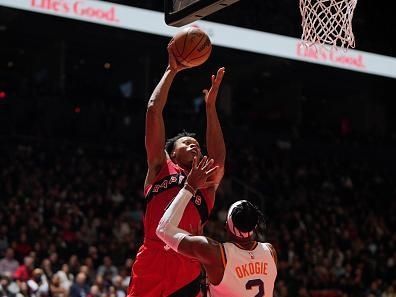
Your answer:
<point x="256" y="283"/>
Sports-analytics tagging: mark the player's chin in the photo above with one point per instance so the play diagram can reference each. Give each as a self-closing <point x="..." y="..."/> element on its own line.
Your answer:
<point x="190" y="162"/>
<point x="190" y="158"/>
<point x="192" y="155"/>
<point x="187" y="162"/>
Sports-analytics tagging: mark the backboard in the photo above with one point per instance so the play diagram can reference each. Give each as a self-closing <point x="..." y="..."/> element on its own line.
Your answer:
<point x="182" y="12"/>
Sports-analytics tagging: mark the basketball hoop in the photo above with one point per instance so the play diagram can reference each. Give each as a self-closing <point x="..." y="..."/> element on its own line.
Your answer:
<point x="327" y="22"/>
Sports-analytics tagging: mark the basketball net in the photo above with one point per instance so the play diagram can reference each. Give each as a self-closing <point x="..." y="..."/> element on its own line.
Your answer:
<point x="327" y="22"/>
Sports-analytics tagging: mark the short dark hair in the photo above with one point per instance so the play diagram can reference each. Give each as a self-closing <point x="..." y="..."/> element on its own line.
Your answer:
<point x="246" y="216"/>
<point x="170" y="142"/>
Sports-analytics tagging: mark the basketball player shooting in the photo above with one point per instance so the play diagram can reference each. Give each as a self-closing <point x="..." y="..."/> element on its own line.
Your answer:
<point x="158" y="270"/>
<point x="240" y="267"/>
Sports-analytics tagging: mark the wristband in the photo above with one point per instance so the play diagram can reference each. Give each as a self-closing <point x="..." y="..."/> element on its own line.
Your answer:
<point x="190" y="189"/>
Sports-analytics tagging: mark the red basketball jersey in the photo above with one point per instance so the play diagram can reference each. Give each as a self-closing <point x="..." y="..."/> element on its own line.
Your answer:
<point x="160" y="194"/>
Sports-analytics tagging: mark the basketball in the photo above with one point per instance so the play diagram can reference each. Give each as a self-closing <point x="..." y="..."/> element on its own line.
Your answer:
<point x="191" y="47"/>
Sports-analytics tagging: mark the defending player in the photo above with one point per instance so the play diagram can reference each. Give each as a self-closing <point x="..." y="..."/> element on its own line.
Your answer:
<point x="240" y="267"/>
<point x="158" y="270"/>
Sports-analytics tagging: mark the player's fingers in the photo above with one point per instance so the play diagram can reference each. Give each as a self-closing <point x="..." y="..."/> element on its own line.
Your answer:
<point x="203" y="162"/>
<point x="211" y="171"/>
<point x="220" y="74"/>
<point x="194" y="164"/>
<point x="170" y="43"/>
<point x="208" y="164"/>
<point x="205" y="92"/>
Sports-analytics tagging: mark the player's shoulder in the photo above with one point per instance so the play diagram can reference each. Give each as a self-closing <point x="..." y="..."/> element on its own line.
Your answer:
<point x="168" y="167"/>
<point x="171" y="167"/>
<point x="169" y="162"/>
<point x="272" y="250"/>
<point x="155" y="174"/>
<point x="267" y="246"/>
<point x="227" y="247"/>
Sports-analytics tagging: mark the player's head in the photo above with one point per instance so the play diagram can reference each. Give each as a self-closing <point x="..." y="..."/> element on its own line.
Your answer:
<point x="182" y="148"/>
<point x="242" y="219"/>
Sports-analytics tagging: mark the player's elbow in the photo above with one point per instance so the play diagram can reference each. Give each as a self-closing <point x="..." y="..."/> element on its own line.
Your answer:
<point x="220" y="165"/>
<point x="153" y="108"/>
<point x="219" y="173"/>
<point x="161" y="229"/>
<point x="220" y="160"/>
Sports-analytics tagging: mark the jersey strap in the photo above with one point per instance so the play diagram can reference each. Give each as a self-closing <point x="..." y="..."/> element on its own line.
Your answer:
<point x="223" y="255"/>
<point x="200" y="203"/>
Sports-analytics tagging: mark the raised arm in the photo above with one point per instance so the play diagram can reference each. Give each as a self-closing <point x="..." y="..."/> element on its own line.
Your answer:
<point x="198" y="247"/>
<point x="214" y="135"/>
<point x="155" y="127"/>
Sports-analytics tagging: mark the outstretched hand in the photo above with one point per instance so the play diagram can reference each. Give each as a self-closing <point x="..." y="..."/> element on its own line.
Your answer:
<point x="173" y="63"/>
<point x="200" y="172"/>
<point x="211" y="95"/>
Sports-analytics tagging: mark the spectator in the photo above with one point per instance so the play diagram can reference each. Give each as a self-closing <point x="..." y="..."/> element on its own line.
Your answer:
<point x="74" y="264"/>
<point x="65" y="277"/>
<point x="95" y="292"/>
<point x="54" y="261"/>
<point x="118" y="286"/>
<point x="22" y="247"/>
<point x="79" y="287"/>
<point x="56" y="288"/>
<point x="390" y="292"/>
<point x="38" y="284"/>
<point x="4" y="287"/>
<point x="125" y="276"/>
<point x="24" y="271"/>
<point x="47" y="269"/>
<point x="23" y="290"/>
<point x="108" y="271"/>
<point x="90" y="274"/>
<point x="3" y="238"/>
<point x="8" y="265"/>
<point x="94" y="255"/>
<point x="100" y="283"/>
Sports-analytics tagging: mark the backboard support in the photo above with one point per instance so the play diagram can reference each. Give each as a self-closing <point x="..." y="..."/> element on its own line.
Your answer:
<point x="182" y="12"/>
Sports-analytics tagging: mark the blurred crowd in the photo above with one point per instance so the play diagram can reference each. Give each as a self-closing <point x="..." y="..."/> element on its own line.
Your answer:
<point x="332" y="220"/>
<point x="71" y="219"/>
<point x="70" y="225"/>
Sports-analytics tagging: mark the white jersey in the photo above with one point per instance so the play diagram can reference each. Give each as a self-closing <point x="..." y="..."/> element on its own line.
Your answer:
<point x="247" y="273"/>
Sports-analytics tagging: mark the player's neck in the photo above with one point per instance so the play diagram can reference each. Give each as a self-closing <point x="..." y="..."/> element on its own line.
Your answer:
<point x="249" y="244"/>
<point x="184" y="168"/>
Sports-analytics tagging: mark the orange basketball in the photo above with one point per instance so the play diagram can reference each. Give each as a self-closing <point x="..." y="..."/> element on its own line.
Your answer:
<point x="191" y="46"/>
